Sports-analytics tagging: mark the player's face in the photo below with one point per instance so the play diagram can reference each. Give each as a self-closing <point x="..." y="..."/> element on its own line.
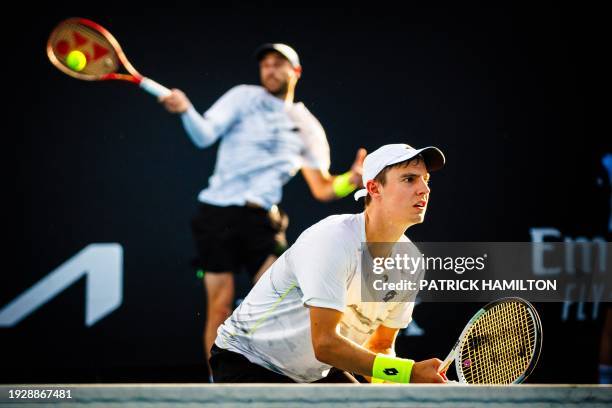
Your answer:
<point x="405" y="194"/>
<point x="276" y="73"/>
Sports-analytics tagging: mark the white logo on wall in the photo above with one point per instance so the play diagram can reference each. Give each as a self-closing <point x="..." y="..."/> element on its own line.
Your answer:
<point x="102" y="264"/>
<point x="593" y="255"/>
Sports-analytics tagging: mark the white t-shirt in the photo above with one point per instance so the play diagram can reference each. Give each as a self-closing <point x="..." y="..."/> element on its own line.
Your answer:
<point x="271" y="327"/>
<point x="264" y="142"/>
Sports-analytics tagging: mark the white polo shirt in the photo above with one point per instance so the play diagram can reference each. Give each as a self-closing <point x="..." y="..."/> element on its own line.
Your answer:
<point x="264" y="142"/>
<point x="271" y="327"/>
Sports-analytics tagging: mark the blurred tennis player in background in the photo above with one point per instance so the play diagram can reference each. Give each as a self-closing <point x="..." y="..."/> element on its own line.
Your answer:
<point x="265" y="139"/>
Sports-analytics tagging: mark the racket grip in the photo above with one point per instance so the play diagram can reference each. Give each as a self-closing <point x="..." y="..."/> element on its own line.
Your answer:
<point x="154" y="88"/>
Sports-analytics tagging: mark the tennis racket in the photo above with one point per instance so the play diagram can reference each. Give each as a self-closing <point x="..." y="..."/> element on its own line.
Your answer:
<point x="85" y="50"/>
<point x="499" y="345"/>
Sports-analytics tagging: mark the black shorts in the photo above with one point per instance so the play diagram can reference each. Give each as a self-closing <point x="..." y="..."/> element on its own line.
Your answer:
<point x="230" y="367"/>
<point x="230" y="238"/>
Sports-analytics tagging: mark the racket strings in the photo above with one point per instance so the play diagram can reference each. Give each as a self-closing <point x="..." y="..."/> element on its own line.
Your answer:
<point x="506" y="356"/>
<point x="515" y="353"/>
<point x="499" y="346"/>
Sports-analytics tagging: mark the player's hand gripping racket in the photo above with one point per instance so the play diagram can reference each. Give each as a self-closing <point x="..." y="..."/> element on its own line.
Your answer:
<point x="85" y="50"/>
<point x="499" y="345"/>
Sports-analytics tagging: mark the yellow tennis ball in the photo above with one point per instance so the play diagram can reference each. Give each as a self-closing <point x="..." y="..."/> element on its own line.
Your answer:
<point x="76" y="60"/>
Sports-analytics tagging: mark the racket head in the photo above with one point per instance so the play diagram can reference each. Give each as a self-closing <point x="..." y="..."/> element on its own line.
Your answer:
<point x="502" y="344"/>
<point x="102" y="51"/>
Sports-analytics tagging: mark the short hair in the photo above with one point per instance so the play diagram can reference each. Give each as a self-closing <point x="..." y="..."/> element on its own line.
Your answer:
<point x="382" y="176"/>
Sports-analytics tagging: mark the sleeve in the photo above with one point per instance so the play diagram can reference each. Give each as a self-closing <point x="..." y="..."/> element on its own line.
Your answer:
<point x="316" y="154"/>
<point x="316" y="148"/>
<point x="205" y="130"/>
<point x="400" y="316"/>
<point x="321" y="268"/>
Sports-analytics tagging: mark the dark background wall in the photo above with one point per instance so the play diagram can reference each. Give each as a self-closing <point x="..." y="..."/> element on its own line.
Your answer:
<point x="499" y="89"/>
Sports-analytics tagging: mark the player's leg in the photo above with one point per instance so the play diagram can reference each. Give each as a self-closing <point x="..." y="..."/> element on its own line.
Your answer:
<point x="264" y="267"/>
<point x="266" y="240"/>
<point x="214" y="233"/>
<point x="219" y="288"/>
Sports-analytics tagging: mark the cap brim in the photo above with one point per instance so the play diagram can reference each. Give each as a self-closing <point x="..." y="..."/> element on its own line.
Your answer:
<point x="434" y="158"/>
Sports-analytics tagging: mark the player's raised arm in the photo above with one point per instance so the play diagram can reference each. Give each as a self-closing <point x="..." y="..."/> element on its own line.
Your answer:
<point x="204" y="130"/>
<point x="326" y="187"/>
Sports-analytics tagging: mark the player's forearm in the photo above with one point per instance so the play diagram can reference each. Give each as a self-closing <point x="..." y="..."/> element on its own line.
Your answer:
<point x="344" y="354"/>
<point x="200" y="131"/>
<point x="380" y="347"/>
<point x="334" y="187"/>
<point x="324" y="191"/>
<point x="389" y="351"/>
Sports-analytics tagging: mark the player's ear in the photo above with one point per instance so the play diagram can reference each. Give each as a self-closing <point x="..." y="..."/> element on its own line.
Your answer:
<point x="373" y="188"/>
<point x="298" y="71"/>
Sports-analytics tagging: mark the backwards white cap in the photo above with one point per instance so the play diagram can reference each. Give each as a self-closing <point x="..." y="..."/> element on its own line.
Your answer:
<point x="396" y="153"/>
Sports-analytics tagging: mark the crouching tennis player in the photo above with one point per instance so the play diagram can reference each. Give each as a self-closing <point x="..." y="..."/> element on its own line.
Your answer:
<point x="304" y="321"/>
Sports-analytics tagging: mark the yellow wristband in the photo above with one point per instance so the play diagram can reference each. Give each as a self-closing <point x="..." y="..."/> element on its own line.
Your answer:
<point x="342" y="185"/>
<point x="393" y="369"/>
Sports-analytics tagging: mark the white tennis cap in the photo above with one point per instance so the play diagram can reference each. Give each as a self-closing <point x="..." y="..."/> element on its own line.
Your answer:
<point x="283" y="49"/>
<point x="395" y="153"/>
